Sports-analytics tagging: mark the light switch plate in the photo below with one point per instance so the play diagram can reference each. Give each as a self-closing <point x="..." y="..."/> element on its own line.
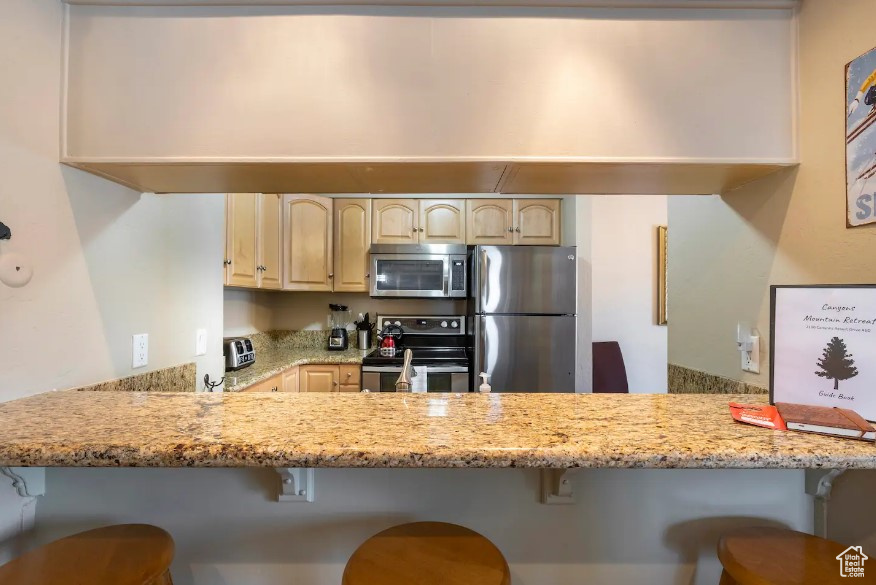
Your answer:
<point x="140" y="350"/>
<point x="201" y="342"/>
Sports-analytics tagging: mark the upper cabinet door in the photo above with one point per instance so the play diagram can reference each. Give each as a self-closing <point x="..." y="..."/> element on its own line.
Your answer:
<point x="489" y="221"/>
<point x="537" y="222"/>
<point x="270" y="241"/>
<point x="394" y="221"/>
<point x="241" y="216"/>
<point x="307" y="243"/>
<point x="442" y="221"/>
<point x="352" y="241"/>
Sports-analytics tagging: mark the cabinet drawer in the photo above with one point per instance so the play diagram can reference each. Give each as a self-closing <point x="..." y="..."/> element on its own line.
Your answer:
<point x="350" y="388"/>
<point x="351" y="375"/>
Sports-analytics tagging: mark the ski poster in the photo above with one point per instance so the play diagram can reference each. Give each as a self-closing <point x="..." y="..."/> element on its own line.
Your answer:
<point x="823" y="346"/>
<point x="861" y="140"/>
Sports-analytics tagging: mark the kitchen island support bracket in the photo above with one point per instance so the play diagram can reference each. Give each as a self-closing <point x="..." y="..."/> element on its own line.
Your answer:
<point x="296" y="484"/>
<point x="556" y="486"/>
<point x="819" y="483"/>
<point x="28" y="481"/>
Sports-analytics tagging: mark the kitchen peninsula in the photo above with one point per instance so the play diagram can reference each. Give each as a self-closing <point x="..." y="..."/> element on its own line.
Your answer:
<point x="71" y="428"/>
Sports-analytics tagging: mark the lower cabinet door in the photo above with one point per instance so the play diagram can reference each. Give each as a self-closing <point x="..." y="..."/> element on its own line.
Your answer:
<point x="290" y="380"/>
<point x="351" y="378"/>
<point x="270" y="385"/>
<point x="318" y="378"/>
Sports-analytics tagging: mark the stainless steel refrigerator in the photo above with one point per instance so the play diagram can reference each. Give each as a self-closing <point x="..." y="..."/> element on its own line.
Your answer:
<point x="523" y="306"/>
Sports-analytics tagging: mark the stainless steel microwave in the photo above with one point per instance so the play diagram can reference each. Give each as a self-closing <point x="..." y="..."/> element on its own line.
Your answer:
<point x="419" y="270"/>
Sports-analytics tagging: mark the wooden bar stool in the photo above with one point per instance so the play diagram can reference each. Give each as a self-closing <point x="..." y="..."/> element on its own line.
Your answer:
<point x="427" y="553"/>
<point x="125" y="554"/>
<point x="774" y="556"/>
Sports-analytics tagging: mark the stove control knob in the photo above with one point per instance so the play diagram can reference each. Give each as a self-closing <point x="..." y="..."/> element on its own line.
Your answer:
<point x="398" y="323"/>
<point x="444" y="323"/>
<point x="454" y="324"/>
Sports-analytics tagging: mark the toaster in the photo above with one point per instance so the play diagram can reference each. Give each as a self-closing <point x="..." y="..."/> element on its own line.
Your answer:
<point x="239" y="353"/>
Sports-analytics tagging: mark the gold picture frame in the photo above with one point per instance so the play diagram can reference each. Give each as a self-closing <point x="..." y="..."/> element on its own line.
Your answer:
<point x="662" y="317"/>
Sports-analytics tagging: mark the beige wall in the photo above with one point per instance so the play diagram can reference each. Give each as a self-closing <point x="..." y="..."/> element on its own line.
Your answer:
<point x="107" y="262"/>
<point x="415" y="81"/>
<point x="725" y="251"/>
<point x="624" y="259"/>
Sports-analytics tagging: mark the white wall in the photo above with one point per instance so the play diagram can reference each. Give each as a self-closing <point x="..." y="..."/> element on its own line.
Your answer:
<point x="630" y="527"/>
<point x="418" y="81"/>
<point x="624" y="258"/>
<point x="107" y="262"/>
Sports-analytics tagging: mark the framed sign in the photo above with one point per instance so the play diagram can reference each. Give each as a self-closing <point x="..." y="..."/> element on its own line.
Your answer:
<point x="662" y="291"/>
<point x="823" y="346"/>
<point x="861" y="140"/>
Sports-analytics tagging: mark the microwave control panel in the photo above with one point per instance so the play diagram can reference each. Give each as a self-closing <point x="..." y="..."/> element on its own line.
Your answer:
<point x="457" y="275"/>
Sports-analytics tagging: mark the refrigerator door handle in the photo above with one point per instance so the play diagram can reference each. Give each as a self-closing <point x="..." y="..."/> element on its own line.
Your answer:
<point x="479" y="347"/>
<point x="483" y="277"/>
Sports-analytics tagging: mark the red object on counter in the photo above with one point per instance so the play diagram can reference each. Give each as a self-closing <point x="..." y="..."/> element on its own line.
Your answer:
<point x="758" y="415"/>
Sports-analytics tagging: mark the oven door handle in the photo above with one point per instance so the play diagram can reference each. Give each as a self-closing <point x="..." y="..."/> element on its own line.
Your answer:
<point x="429" y="369"/>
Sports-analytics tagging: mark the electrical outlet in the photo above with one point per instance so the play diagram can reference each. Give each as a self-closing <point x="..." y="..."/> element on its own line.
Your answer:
<point x="140" y="350"/>
<point x="201" y="342"/>
<point x="751" y="359"/>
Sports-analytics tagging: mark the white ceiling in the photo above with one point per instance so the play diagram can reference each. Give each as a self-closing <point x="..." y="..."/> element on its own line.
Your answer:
<point x="732" y="4"/>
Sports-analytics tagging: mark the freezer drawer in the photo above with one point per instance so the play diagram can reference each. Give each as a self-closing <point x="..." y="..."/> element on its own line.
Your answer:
<point x="524" y="279"/>
<point x="526" y="353"/>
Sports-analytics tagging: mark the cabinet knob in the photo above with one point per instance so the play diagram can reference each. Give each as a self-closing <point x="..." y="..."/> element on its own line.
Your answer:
<point x="349" y="374"/>
<point x="517" y="229"/>
<point x="331" y="275"/>
<point x="510" y="229"/>
<point x="227" y="262"/>
<point x="367" y="275"/>
<point x="274" y="389"/>
<point x="334" y="383"/>
<point x="421" y="229"/>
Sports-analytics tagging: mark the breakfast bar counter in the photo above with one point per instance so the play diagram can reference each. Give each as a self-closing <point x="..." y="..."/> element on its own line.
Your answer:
<point x="70" y="428"/>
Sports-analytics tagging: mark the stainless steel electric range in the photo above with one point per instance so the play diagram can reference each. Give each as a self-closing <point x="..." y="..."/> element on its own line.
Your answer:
<point x="438" y="344"/>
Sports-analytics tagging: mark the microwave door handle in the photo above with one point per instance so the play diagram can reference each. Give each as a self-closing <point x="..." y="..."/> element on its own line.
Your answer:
<point x="446" y="276"/>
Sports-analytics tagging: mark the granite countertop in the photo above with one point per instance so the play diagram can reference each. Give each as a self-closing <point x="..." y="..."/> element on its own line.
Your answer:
<point x="272" y="361"/>
<point x="73" y="428"/>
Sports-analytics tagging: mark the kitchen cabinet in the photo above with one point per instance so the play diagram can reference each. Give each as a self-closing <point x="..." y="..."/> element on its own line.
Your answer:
<point x="272" y="384"/>
<point x="441" y="221"/>
<point x="317" y="378"/>
<point x="394" y="221"/>
<point x="241" y="237"/>
<point x="352" y="241"/>
<point x="537" y="222"/>
<point x="290" y="380"/>
<point x="313" y="378"/>
<point x="351" y="378"/>
<point x="253" y="240"/>
<point x="307" y="243"/>
<point x="489" y="221"/>
<point x="270" y="241"/>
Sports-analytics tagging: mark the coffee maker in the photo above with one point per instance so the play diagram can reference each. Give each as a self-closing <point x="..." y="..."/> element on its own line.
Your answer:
<point x="339" y="319"/>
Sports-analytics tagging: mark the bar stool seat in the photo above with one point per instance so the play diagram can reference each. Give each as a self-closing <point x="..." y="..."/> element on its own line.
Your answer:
<point x="774" y="556"/>
<point x="427" y="553"/>
<point x="124" y="554"/>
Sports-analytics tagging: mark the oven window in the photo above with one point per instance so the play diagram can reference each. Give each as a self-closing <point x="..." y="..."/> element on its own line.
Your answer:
<point x="423" y="275"/>
<point x="438" y="382"/>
